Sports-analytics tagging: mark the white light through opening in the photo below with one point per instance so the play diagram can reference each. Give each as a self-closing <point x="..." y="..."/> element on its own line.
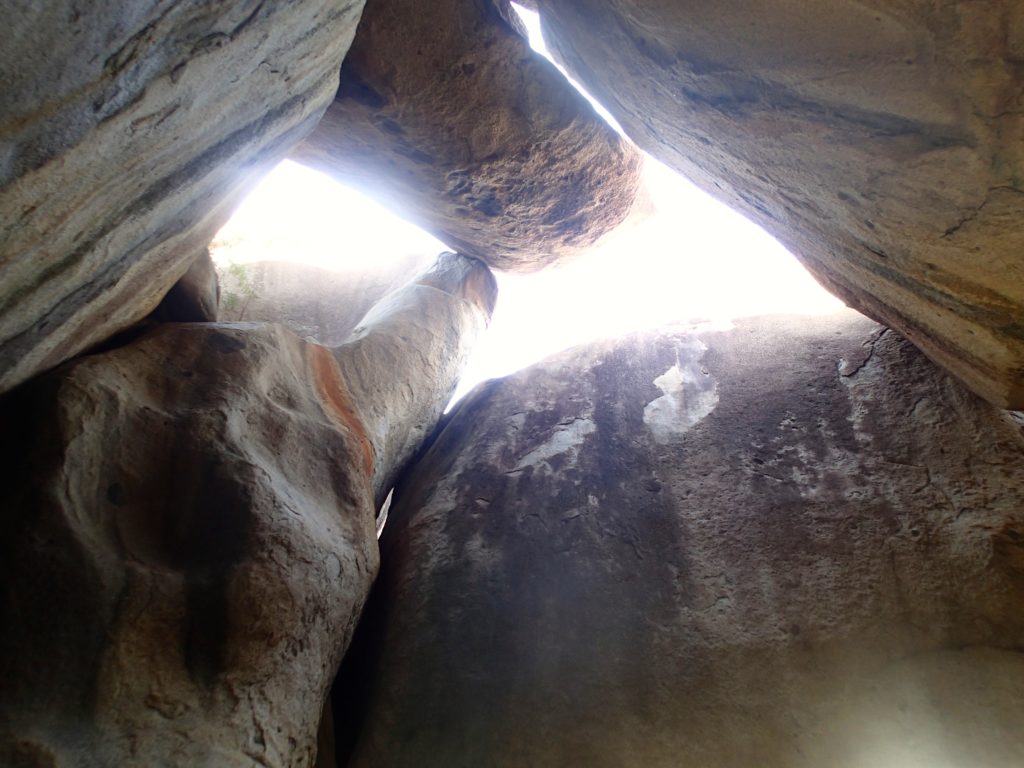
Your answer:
<point x="692" y="259"/>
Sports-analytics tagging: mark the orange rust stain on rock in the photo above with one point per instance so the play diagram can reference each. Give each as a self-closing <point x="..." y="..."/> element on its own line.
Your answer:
<point x="336" y="400"/>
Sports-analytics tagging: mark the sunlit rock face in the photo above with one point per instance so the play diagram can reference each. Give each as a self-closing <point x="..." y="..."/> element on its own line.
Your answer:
<point x="323" y="304"/>
<point x="793" y="543"/>
<point x="882" y="142"/>
<point x="130" y="130"/>
<point x="449" y="118"/>
<point x="187" y="528"/>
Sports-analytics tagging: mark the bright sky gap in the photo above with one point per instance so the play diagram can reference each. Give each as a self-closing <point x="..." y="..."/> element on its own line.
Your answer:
<point x="693" y="259"/>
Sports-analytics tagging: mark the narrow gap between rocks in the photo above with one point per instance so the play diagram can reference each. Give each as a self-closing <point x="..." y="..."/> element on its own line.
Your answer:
<point x="692" y="260"/>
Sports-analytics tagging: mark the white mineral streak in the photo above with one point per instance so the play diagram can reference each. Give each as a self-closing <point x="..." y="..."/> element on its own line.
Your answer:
<point x="690" y="394"/>
<point x="565" y="438"/>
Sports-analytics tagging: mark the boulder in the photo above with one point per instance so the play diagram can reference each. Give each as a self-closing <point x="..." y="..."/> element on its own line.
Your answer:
<point x="324" y="304"/>
<point x="882" y="143"/>
<point x="449" y="118"/>
<point x="788" y="544"/>
<point x="195" y="297"/>
<point x="129" y="132"/>
<point x="187" y="531"/>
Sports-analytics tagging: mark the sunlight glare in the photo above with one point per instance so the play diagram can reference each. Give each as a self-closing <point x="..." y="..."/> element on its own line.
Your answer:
<point x="692" y="259"/>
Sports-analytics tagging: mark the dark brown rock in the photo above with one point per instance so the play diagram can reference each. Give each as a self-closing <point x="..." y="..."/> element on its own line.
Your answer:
<point x="793" y="543"/>
<point x="449" y="118"/>
<point x="187" y="529"/>
<point x="882" y="143"/>
<point x="129" y="132"/>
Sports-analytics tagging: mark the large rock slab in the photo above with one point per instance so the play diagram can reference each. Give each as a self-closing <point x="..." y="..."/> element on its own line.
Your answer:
<point x="453" y="121"/>
<point x="882" y="143"/>
<point x="324" y="304"/>
<point x="187" y="529"/>
<point x="129" y="132"/>
<point x="795" y="543"/>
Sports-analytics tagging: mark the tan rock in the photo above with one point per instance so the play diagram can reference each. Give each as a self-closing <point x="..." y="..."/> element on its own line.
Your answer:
<point x="187" y="530"/>
<point x="882" y="143"/>
<point x="128" y="134"/>
<point x="792" y="544"/>
<point x="450" y="119"/>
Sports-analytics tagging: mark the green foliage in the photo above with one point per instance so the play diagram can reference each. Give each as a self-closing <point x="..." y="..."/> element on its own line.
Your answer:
<point x="244" y="289"/>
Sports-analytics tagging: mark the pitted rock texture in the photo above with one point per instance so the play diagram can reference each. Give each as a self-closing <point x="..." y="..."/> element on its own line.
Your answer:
<point x="129" y="132"/>
<point x="881" y="142"/>
<point x="820" y="565"/>
<point x="323" y="304"/>
<point x="451" y="119"/>
<point x="187" y="530"/>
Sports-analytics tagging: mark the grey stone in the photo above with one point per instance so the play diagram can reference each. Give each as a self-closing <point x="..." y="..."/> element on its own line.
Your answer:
<point x="323" y="304"/>
<point x="451" y="120"/>
<point x="794" y="543"/>
<point x="187" y="529"/>
<point x="882" y="143"/>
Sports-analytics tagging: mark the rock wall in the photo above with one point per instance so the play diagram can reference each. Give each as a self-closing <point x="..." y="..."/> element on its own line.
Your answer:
<point x="453" y="121"/>
<point x="792" y="543"/>
<point x="323" y="304"/>
<point x="129" y="132"/>
<point x="195" y="298"/>
<point x="881" y="142"/>
<point x="187" y="531"/>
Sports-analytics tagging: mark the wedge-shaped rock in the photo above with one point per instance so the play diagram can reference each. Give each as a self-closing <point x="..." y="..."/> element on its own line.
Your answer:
<point x="129" y="130"/>
<point x="447" y="116"/>
<point x="792" y="544"/>
<point x="883" y="143"/>
<point x="187" y="529"/>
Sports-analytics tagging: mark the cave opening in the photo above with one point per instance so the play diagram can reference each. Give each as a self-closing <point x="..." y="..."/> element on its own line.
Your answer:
<point x="686" y="258"/>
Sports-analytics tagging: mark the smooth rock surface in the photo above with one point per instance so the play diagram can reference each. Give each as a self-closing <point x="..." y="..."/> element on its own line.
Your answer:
<point x="323" y="304"/>
<point x="881" y="142"/>
<point x="129" y="132"/>
<point x="449" y="118"/>
<point x="187" y="529"/>
<point x="796" y="543"/>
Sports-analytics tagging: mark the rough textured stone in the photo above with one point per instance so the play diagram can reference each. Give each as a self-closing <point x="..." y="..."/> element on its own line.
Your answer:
<point x="450" y="118"/>
<point x="794" y="543"/>
<point x="129" y="131"/>
<point x="320" y="303"/>
<point x="187" y="530"/>
<point x="881" y="142"/>
<point x="195" y="297"/>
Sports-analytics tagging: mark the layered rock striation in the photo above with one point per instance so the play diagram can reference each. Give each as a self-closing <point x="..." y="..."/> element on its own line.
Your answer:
<point x="128" y="132"/>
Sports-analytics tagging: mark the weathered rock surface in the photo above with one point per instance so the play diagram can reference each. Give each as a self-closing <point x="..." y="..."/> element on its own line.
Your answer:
<point x="187" y="530"/>
<point x="406" y="355"/>
<point x="794" y="543"/>
<point x="128" y="134"/>
<point x="453" y="121"/>
<point x="883" y="143"/>
<point x="320" y="303"/>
